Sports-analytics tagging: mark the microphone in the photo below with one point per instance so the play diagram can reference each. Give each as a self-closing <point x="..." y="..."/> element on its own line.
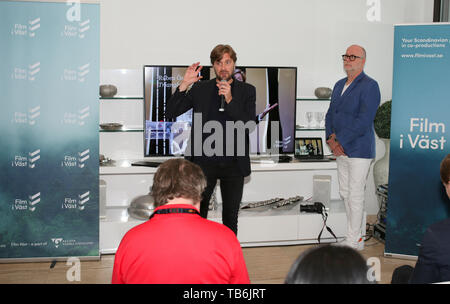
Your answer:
<point x="222" y="100"/>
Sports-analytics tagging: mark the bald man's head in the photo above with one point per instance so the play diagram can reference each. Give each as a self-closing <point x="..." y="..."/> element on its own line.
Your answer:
<point x="358" y="54"/>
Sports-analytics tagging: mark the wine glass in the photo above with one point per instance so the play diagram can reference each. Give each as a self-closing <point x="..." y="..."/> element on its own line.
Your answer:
<point x="319" y="116"/>
<point x="309" y="117"/>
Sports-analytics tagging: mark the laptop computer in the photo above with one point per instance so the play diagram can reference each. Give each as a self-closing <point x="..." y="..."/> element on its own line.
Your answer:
<point x="309" y="149"/>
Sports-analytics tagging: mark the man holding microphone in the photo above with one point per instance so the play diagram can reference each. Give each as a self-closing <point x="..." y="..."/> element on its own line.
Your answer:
<point x="219" y="100"/>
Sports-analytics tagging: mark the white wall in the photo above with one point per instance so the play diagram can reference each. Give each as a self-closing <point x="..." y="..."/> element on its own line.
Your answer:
<point x="308" y="34"/>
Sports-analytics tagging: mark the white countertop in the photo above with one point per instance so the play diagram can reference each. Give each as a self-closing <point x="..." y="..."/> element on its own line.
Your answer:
<point x="125" y="167"/>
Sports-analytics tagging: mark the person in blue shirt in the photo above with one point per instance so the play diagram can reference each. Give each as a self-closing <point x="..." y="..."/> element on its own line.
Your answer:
<point x="351" y="137"/>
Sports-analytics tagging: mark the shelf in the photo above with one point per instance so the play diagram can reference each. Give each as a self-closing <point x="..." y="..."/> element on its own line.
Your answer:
<point x="309" y="129"/>
<point x="314" y="99"/>
<point x="123" y="129"/>
<point x="120" y="167"/>
<point x="120" y="98"/>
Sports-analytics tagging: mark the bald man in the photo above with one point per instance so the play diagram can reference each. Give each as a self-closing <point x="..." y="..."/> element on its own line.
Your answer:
<point x="351" y="138"/>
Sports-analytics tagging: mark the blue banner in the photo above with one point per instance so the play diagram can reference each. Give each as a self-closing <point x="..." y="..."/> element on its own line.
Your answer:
<point x="49" y="156"/>
<point x="419" y="134"/>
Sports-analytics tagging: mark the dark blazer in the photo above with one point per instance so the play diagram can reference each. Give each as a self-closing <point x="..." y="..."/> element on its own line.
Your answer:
<point x="433" y="264"/>
<point x="351" y="116"/>
<point x="241" y="108"/>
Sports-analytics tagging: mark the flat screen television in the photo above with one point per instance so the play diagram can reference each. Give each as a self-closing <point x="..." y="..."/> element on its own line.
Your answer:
<point x="276" y="91"/>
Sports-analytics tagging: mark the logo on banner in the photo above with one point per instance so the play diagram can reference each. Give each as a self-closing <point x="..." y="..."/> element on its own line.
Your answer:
<point x="78" y="74"/>
<point x="424" y="134"/>
<point x="77" y="118"/>
<point x="57" y="242"/>
<point x="29" y="29"/>
<point x="83" y="27"/>
<point x="29" y="117"/>
<point x="29" y="161"/>
<point x="74" y="31"/>
<point x="82" y="158"/>
<point x="77" y="203"/>
<point x="33" y="157"/>
<point x="30" y="73"/>
<point x="29" y="204"/>
<point x="33" y="200"/>
<point x="76" y="161"/>
<point x="33" y="69"/>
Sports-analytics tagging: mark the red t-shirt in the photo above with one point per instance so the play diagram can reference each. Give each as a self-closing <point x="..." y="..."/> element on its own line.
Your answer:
<point x="179" y="248"/>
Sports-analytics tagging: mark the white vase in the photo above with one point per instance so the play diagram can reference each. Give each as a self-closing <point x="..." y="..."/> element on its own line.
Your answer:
<point x="381" y="167"/>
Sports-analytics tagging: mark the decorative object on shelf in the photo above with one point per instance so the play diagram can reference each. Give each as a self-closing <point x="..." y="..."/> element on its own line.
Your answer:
<point x="323" y="92"/>
<point x="319" y="117"/>
<point x="309" y="117"/>
<point x="261" y="203"/>
<point x="382" y="125"/>
<point x="111" y="126"/>
<point x="289" y="201"/>
<point x="141" y="207"/>
<point x="105" y="161"/>
<point x="107" y="90"/>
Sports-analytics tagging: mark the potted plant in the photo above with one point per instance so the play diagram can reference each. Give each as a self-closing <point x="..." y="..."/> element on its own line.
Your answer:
<point x="382" y="125"/>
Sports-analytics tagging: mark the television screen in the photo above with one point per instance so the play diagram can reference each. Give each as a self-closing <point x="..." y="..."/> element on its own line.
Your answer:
<point x="275" y="109"/>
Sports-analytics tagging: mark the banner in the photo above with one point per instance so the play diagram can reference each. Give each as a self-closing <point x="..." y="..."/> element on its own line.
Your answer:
<point x="419" y="134"/>
<point x="49" y="77"/>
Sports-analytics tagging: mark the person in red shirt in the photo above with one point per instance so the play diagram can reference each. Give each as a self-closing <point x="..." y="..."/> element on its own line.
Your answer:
<point x="176" y="245"/>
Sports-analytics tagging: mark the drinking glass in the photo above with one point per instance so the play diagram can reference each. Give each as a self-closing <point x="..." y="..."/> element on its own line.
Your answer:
<point x="309" y="117"/>
<point x="319" y="116"/>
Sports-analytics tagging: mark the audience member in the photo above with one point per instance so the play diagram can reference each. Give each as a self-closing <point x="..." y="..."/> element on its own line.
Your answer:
<point x="176" y="245"/>
<point x="329" y="265"/>
<point x="433" y="264"/>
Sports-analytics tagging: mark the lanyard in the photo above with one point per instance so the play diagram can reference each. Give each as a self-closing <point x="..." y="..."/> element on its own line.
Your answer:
<point x="175" y="210"/>
<point x="325" y="217"/>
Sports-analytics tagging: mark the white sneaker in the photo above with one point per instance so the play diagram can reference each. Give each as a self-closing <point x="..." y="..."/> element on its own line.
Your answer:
<point x="344" y="243"/>
<point x="360" y="245"/>
<point x="357" y="246"/>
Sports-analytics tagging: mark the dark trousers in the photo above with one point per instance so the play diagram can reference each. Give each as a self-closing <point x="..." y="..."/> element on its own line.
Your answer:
<point x="231" y="188"/>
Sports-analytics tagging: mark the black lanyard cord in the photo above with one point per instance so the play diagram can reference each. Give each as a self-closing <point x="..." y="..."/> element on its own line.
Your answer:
<point x="175" y="210"/>
<point x="325" y="217"/>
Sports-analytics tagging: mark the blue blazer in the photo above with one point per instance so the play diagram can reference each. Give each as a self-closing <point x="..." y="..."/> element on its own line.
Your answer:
<point x="433" y="264"/>
<point x="351" y="115"/>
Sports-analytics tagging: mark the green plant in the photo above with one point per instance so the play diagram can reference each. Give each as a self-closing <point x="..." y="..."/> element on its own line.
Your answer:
<point x="382" y="121"/>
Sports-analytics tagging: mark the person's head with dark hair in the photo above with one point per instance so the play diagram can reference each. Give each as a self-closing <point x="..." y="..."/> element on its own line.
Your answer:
<point x="221" y="49"/>
<point x="178" y="178"/>
<point x="445" y="173"/>
<point x="223" y="59"/>
<point x="239" y="75"/>
<point x="329" y="265"/>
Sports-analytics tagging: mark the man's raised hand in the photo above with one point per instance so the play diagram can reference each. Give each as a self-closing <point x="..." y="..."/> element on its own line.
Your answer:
<point x="191" y="76"/>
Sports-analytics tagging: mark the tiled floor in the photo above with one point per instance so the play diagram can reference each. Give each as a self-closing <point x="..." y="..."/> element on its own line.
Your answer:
<point x="266" y="265"/>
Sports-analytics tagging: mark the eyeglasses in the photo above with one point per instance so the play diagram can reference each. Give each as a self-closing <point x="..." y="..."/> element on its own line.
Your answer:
<point x="350" y="57"/>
